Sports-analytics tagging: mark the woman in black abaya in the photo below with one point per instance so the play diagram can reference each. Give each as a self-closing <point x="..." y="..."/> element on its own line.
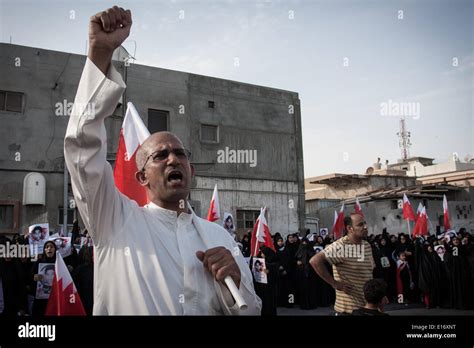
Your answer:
<point x="459" y="275"/>
<point x="48" y="256"/>
<point x="306" y="276"/>
<point x="428" y="273"/>
<point x="284" y="261"/>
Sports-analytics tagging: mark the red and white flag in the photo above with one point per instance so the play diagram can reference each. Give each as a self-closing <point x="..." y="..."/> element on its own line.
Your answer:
<point x="261" y="235"/>
<point x="407" y="209"/>
<point x="418" y="211"/>
<point x="421" y="226"/>
<point x="447" y="224"/>
<point x="338" y="227"/>
<point x="214" y="212"/>
<point x="64" y="298"/>
<point x="358" y="208"/>
<point x="132" y="136"/>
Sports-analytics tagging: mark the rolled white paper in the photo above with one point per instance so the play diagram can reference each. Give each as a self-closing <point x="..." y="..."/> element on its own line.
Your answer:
<point x="235" y="293"/>
<point x="227" y="280"/>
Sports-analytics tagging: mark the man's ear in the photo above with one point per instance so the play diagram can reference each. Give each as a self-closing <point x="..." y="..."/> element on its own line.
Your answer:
<point x="192" y="170"/>
<point x="141" y="178"/>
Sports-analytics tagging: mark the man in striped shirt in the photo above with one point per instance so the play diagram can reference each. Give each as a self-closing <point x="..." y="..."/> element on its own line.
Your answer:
<point x="352" y="264"/>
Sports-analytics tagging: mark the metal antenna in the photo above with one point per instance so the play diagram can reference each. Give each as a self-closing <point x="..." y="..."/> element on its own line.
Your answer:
<point x="404" y="139"/>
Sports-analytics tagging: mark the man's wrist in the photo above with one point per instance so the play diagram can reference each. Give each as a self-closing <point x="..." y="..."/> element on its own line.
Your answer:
<point x="101" y="57"/>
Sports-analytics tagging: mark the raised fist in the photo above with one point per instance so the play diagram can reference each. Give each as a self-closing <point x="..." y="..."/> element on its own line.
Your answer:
<point x="109" y="29"/>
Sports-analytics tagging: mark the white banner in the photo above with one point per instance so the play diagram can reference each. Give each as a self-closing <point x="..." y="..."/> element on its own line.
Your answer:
<point x="37" y="235"/>
<point x="44" y="285"/>
<point x="259" y="270"/>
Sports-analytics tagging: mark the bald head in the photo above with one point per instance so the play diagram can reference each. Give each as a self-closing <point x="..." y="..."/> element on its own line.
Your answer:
<point x="167" y="177"/>
<point x="153" y="143"/>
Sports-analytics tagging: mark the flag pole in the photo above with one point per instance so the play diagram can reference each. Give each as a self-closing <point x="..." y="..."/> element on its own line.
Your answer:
<point x="262" y="211"/>
<point x="256" y="244"/>
<point x="431" y="227"/>
<point x="409" y="229"/>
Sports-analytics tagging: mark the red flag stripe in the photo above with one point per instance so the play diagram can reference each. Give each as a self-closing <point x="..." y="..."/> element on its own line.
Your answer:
<point x="447" y="223"/>
<point x="63" y="300"/>
<point x="338" y="227"/>
<point x="358" y="208"/>
<point x="421" y="226"/>
<point x="255" y="243"/>
<point x="132" y="135"/>
<point x="213" y="213"/>
<point x="407" y="209"/>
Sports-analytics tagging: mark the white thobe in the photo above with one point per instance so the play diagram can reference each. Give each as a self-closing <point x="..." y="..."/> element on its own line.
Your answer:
<point x="144" y="257"/>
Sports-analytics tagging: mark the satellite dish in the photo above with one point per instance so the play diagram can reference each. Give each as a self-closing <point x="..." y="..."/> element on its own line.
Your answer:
<point x="369" y="171"/>
<point x="468" y="159"/>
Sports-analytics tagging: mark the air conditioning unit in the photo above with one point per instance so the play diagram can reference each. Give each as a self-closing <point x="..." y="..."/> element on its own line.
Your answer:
<point x="34" y="189"/>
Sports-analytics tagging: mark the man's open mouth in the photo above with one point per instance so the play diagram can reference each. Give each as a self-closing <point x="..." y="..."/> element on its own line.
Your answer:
<point x="175" y="176"/>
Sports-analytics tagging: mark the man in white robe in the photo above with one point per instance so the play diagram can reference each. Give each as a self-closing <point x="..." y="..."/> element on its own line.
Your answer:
<point x="160" y="259"/>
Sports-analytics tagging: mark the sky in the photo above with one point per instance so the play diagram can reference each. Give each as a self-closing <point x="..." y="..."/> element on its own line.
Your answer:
<point x="347" y="59"/>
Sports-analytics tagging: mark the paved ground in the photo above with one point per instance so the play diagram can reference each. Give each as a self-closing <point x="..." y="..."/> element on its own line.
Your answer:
<point x="392" y="309"/>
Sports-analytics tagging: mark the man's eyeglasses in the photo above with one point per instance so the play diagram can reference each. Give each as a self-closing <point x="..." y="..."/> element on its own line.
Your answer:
<point x="162" y="155"/>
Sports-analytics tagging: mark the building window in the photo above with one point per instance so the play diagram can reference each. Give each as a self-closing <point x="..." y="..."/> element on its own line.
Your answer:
<point x="11" y="101"/>
<point x="70" y="216"/>
<point x="157" y="120"/>
<point x="209" y="133"/>
<point x="6" y="217"/>
<point x="9" y="216"/>
<point x="246" y="218"/>
<point x="210" y="104"/>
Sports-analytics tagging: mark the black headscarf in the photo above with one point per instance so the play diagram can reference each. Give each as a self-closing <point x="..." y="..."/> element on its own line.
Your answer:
<point x="293" y="247"/>
<point x="45" y="258"/>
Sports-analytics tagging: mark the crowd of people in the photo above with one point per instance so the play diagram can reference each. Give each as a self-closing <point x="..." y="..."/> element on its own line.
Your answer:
<point x="435" y="271"/>
<point x="20" y="277"/>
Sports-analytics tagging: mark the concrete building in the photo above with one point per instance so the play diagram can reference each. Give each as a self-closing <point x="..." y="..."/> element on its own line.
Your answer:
<point x="381" y="199"/>
<point x="326" y="193"/>
<point x="461" y="178"/>
<point x="423" y="166"/>
<point x="212" y="116"/>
